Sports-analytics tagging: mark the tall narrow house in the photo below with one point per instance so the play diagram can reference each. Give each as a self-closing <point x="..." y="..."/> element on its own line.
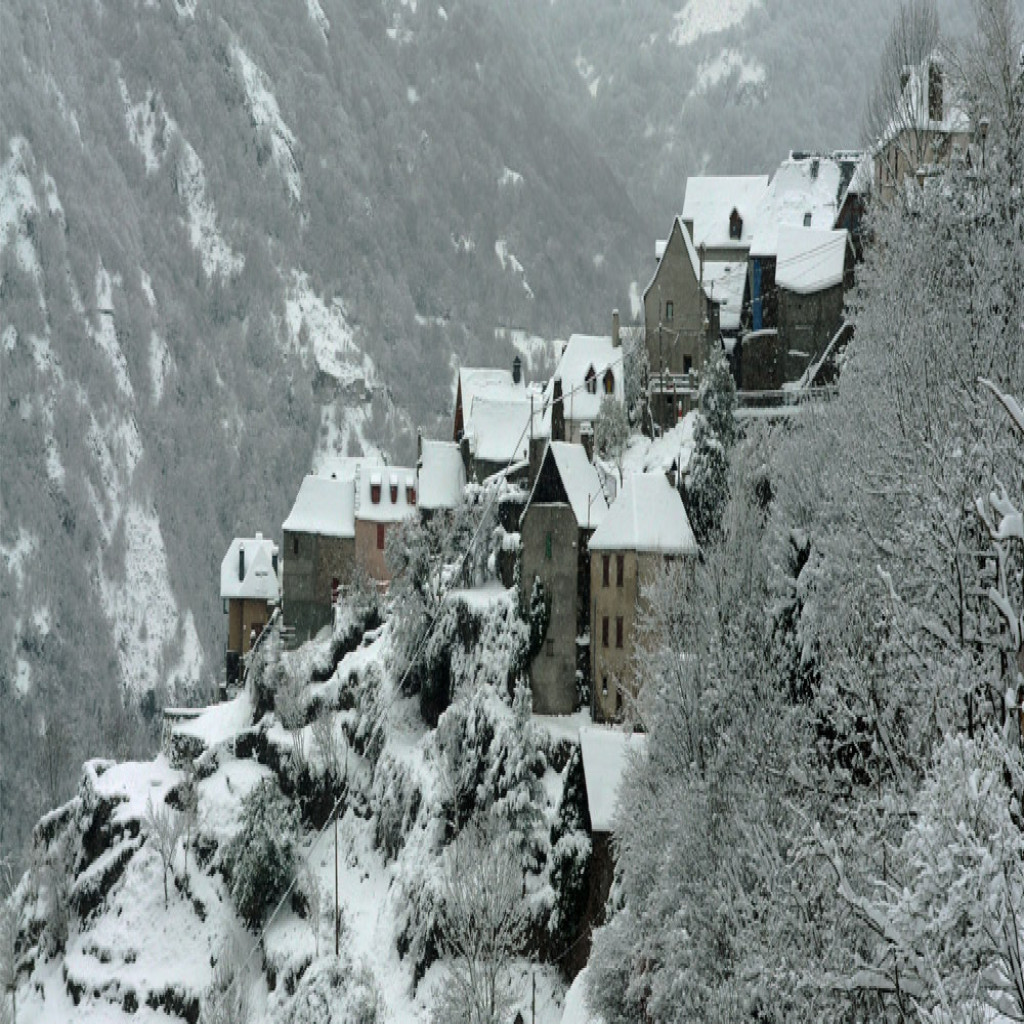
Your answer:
<point x="250" y="588"/>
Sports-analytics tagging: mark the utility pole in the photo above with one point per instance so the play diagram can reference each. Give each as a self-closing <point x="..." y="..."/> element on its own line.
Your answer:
<point x="337" y="906"/>
<point x="533" y="999"/>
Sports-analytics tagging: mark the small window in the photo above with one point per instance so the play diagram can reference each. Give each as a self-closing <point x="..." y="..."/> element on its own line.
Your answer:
<point x="380" y="536"/>
<point x="590" y="379"/>
<point x="295" y="543"/>
<point x="547" y="546"/>
<point x="549" y="648"/>
<point x="687" y="364"/>
<point x="735" y="225"/>
<point x="669" y="311"/>
<point x="609" y="382"/>
<point x="604" y="686"/>
<point x="394" y="494"/>
<point x="375" y="493"/>
<point x="606" y="572"/>
<point x="410" y="495"/>
<point x="807" y="220"/>
<point x="618" y="700"/>
<point x="620" y="569"/>
<point x="618" y="632"/>
<point x="604" y="631"/>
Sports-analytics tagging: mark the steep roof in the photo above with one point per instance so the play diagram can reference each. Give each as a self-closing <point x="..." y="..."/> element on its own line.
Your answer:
<point x="647" y="516"/>
<point x="805" y="186"/>
<point x="678" y="230"/>
<point x="260" y="582"/>
<point x="442" y="475"/>
<point x="582" y="353"/>
<point x="709" y="202"/>
<point x="324" y="506"/>
<point x="580" y="481"/>
<point x="385" y="510"/>
<point x="606" y="753"/>
<point x="810" y="261"/>
<point x="499" y="429"/>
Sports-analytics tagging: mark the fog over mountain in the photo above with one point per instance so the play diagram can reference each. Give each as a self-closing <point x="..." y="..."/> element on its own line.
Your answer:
<point x="240" y="236"/>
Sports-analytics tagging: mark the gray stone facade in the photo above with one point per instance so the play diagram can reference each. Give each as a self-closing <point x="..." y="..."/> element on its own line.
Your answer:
<point x="311" y="565"/>
<point x="806" y="325"/>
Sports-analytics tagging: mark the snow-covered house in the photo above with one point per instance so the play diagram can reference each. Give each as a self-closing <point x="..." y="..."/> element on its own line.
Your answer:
<point x="929" y="125"/>
<point x="477" y="381"/>
<point x="565" y="506"/>
<point x="250" y="587"/>
<point x="606" y="753"/>
<point x="720" y="212"/>
<point x="441" y="474"/>
<point x="385" y="496"/>
<point x="497" y="433"/>
<point x="807" y="190"/>
<point x="680" y="322"/>
<point x="645" y="525"/>
<point x="319" y="548"/>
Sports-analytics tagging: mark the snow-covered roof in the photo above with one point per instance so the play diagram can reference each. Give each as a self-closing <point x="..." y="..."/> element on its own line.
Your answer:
<point x="709" y="202"/>
<point x="647" y="516"/>
<point x="260" y="581"/>
<point x="475" y="381"/>
<point x="659" y="247"/>
<point x="399" y="479"/>
<point x="724" y="282"/>
<point x="581" y="482"/>
<point x="442" y="475"/>
<point x="606" y="753"/>
<point x="345" y="467"/>
<point x="499" y="429"/>
<point x="324" y="506"/>
<point x="585" y="352"/>
<point x="913" y="111"/>
<point x="809" y="260"/>
<point x="805" y="192"/>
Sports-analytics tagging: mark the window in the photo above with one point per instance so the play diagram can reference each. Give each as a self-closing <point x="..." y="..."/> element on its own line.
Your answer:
<point x="410" y="495"/>
<point x="590" y="379"/>
<point x="295" y="543"/>
<point x="604" y="631"/>
<point x="547" y="546"/>
<point x="604" y="686"/>
<point x="735" y="225"/>
<point x="620" y="569"/>
<point x="549" y="648"/>
<point x="380" y="536"/>
<point x="609" y="382"/>
<point x="375" y="493"/>
<point x="807" y="220"/>
<point x="394" y="494"/>
<point x="618" y="632"/>
<point x="687" y="364"/>
<point x="618" y="701"/>
<point x="669" y="311"/>
<point x="606" y="562"/>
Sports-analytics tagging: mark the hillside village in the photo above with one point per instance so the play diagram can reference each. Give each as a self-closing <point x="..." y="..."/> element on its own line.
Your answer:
<point x="414" y="643"/>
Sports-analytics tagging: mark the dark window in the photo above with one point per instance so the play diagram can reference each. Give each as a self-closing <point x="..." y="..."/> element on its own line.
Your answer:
<point x="394" y="494"/>
<point x="375" y="493"/>
<point x="620" y="569"/>
<point x="547" y="546"/>
<point x="604" y="631"/>
<point x="687" y="364"/>
<point x="669" y="311"/>
<point x="618" y="631"/>
<point x="618" y="701"/>
<point x="295" y="543"/>
<point x="609" y="382"/>
<point x="380" y="536"/>
<point x="606" y="562"/>
<point x="604" y="686"/>
<point x="410" y="495"/>
<point x="807" y="220"/>
<point x="735" y="225"/>
<point x="590" y="378"/>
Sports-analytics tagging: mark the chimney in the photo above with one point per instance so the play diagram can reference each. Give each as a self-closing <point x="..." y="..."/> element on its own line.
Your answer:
<point x="934" y="92"/>
<point x="557" y="411"/>
<point x="517" y="370"/>
<point x="688" y="224"/>
<point x="616" y="341"/>
<point x="241" y="562"/>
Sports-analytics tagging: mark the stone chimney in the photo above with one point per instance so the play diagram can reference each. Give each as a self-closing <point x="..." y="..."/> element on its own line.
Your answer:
<point x="616" y="340"/>
<point x="557" y="411"/>
<point x="517" y="370"/>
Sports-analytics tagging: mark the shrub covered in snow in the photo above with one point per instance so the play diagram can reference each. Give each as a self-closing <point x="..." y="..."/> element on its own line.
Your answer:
<point x="335" y="991"/>
<point x="260" y="860"/>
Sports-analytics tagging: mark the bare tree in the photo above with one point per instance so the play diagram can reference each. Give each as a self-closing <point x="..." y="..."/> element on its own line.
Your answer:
<point x="893" y="124"/>
<point x="328" y="745"/>
<point x="164" y="828"/>
<point x="290" y="705"/>
<point x="483" y="925"/>
<point x="309" y="885"/>
<point x="189" y="805"/>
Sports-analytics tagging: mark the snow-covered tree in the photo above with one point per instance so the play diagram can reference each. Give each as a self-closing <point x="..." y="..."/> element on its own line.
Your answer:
<point x="611" y="431"/>
<point x="483" y="925"/>
<point x="164" y="827"/>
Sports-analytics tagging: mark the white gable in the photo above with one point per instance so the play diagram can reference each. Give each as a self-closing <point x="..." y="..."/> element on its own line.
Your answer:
<point x="647" y="516"/>
<point x="255" y="555"/>
<point x="583" y="353"/>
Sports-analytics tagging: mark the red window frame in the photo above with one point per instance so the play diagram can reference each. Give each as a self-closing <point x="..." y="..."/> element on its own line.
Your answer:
<point x="380" y="536"/>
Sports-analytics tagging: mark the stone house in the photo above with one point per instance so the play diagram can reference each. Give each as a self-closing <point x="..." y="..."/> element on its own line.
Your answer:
<point x="250" y="587"/>
<point x="680" y="324"/>
<point x="645" y="526"/>
<point x="606" y="753"/>
<point x="566" y="504"/>
<point x="385" y="496"/>
<point x="319" y="551"/>
<point x="928" y="127"/>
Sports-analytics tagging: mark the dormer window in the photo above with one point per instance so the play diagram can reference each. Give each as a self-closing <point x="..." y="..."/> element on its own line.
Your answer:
<point x="609" y="382"/>
<point x="393" y="493"/>
<point x="807" y="220"/>
<point x="735" y="225"/>
<point x="590" y="379"/>
<point x="410" y="490"/>
<point x="375" y="485"/>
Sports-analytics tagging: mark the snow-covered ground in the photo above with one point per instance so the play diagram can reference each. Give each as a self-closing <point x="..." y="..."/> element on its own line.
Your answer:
<point x="706" y="17"/>
<point x="726" y="65"/>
